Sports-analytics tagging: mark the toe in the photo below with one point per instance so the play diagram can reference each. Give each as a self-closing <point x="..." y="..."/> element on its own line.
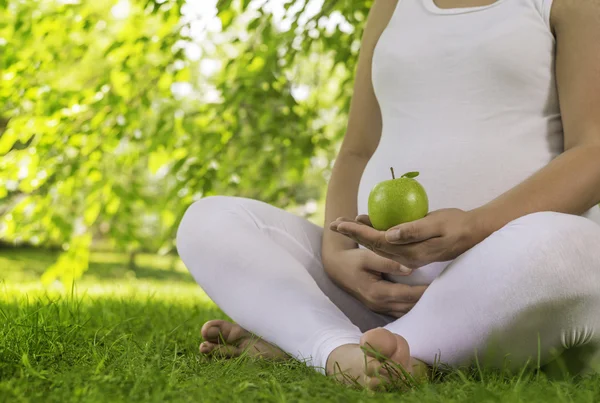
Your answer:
<point x="219" y="350"/>
<point x="221" y="331"/>
<point x="373" y="367"/>
<point x="235" y="333"/>
<point x="376" y="383"/>
<point x="207" y="347"/>
<point x="379" y="373"/>
<point x="226" y="351"/>
<point x="386" y="346"/>
<point x="213" y="330"/>
<point x="379" y="342"/>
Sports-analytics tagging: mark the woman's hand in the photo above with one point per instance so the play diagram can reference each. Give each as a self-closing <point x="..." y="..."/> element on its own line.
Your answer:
<point x="360" y="272"/>
<point x="441" y="236"/>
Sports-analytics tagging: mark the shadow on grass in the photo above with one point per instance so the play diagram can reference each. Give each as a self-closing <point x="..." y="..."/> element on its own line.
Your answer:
<point x="28" y="264"/>
<point x="17" y="263"/>
<point x="117" y="270"/>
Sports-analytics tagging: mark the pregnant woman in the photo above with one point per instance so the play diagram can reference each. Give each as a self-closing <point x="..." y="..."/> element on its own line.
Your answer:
<point x="497" y="104"/>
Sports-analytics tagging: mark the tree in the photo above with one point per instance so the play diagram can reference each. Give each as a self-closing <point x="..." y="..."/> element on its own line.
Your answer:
<point x="109" y="129"/>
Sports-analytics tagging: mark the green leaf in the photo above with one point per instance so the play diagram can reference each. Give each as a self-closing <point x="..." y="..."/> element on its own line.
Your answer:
<point x="410" y="175"/>
<point x="157" y="160"/>
<point x="257" y="64"/>
<point x="7" y="141"/>
<point x="113" y="206"/>
<point x="226" y="17"/>
<point x="91" y="213"/>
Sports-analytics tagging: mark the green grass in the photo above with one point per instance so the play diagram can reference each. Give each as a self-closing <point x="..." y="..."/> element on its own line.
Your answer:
<point x="134" y="337"/>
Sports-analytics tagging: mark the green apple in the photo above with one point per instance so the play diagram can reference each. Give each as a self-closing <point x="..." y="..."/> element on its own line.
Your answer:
<point x="397" y="201"/>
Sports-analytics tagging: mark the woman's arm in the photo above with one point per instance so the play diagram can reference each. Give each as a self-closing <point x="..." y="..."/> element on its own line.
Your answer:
<point x="362" y="135"/>
<point x="359" y="271"/>
<point x="571" y="182"/>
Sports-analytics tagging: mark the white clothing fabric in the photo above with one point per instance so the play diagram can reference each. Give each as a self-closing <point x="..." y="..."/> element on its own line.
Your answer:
<point x="539" y="275"/>
<point x="469" y="99"/>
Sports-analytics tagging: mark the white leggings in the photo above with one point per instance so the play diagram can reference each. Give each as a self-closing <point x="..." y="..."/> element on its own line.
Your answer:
<point x="532" y="286"/>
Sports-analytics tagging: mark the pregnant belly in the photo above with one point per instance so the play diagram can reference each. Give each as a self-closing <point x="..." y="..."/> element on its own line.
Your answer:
<point x="455" y="173"/>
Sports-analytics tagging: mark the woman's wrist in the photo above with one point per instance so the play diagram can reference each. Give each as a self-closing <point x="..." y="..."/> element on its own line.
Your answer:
<point x="484" y="222"/>
<point x="329" y="255"/>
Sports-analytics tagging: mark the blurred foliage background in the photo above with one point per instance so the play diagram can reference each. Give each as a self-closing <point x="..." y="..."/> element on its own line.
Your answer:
<point x="116" y="115"/>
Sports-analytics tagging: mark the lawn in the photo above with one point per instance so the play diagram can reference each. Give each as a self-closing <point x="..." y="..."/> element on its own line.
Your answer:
<point x="132" y="336"/>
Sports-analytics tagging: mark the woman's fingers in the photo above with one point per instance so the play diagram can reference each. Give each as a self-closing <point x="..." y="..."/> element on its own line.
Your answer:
<point x="421" y="230"/>
<point x="398" y="310"/>
<point x="384" y="264"/>
<point x="364" y="219"/>
<point x="399" y="314"/>
<point x="393" y="299"/>
<point x="388" y="256"/>
<point x="333" y="225"/>
<point x="401" y="260"/>
<point x="398" y="293"/>
<point x="409" y="254"/>
<point x="365" y="235"/>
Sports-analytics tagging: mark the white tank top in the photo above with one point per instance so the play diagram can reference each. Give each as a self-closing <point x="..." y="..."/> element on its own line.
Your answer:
<point x="468" y="98"/>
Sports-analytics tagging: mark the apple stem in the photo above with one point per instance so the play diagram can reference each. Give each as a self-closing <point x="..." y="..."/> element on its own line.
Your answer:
<point x="393" y="176"/>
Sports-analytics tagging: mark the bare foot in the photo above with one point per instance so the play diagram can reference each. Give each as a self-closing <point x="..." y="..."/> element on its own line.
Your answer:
<point x="228" y="340"/>
<point x="381" y="358"/>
